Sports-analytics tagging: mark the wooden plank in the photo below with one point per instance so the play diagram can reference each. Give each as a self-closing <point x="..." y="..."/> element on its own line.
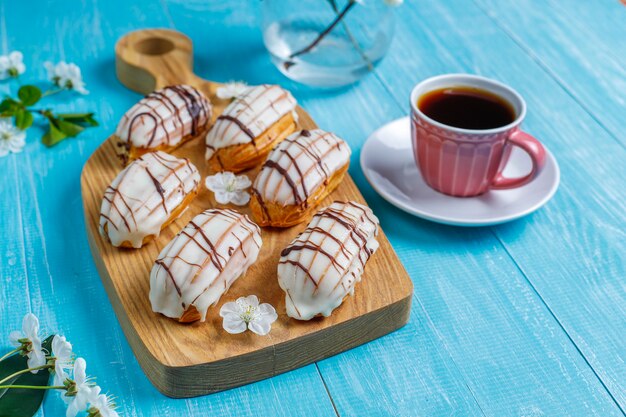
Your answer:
<point x="571" y="251"/>
<point x="580" y="43"/>
<point x="414" y="370"/>
<point x="70" y="299"/>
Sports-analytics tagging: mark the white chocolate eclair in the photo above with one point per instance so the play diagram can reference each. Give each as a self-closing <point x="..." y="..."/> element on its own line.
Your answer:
<point x="250" y="127"/>
<point x="145" y="197"/>
<point x="297" y="175"/>
<point x="201" y="263"/>
<point x="322" y="265"/>
<point x="164" y="120"/>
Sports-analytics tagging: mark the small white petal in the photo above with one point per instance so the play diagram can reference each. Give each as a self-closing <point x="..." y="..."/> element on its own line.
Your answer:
<point x="231" y="90"/>
<point x="242" y="182"/>
<point x="14" y="336"/>
<point x="80" y="366"/>
<point x="234" y="324"/>
<point x="268" y="310"/>
<point x="260" y="326"/>
<point x="230" y="308"/>
<point x="30" y="325"/>
<point x="215" y="183"/>
<point x="72" y="409"/>
<point x="252" y="300"/>
<point x="240" y="198"/>
<point x="222" y="197"/>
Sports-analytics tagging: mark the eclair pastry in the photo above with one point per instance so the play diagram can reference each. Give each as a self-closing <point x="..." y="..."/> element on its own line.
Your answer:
<point x="164" y="120"/>
<point x="297" y="175"/>
<point x="201" y="263"/>
<point x="322" y="265"/>
<point x="145" y="197"/>
<point x="249" y="128"/>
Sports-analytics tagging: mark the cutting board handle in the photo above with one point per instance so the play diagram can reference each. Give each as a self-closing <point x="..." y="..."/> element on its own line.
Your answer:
<point x="149" y="59"/>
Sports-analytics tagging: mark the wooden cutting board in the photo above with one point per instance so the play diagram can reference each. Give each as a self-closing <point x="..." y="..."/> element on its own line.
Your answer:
<point x="195" y="359"/>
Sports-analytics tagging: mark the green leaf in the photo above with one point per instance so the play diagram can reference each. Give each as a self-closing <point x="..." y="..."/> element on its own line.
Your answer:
<point x="23" y="119"/>
<point x="29" y="94"/>
<point x="8" y="107"/>
<point x="84" y="119"/>
<point x="22" y="402"/>
<point x="53" y="136"/>
<point x="69" y="128"/>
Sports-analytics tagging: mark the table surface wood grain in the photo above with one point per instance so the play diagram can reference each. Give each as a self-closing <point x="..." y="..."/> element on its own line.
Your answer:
<point x="522" y="319"/>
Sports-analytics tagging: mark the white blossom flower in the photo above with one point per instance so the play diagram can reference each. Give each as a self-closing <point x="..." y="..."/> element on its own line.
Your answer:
<point x="100" y="405"/>
<point x="79" y="389"/>
<point x="246" y="313"/>
<point x="11" y="65"/>
<point x="66" y="75"/>
<point x="229" y="188"/>
<point x="232" y="89"/>
<point x="62" y="353"/>
<point x="28" y="342"/>
<point x="12" y="139"/>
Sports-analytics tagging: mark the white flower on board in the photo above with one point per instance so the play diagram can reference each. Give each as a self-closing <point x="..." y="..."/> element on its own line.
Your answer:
<point x="11" y="65"/>
<point x="232" y="89"/>
<point x="100" y="405"/>
<point x="62" y="357"/>
<point x="246" y="313"/>
<point x="79" y="390"/>
<point x="28" y="342"/>
<point x="66" y="75"/>
<point x="12" y="139"/>
<point x="229" y="188"/>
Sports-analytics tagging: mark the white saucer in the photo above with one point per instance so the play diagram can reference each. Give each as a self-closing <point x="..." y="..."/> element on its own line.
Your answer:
<point x="388" y="164"/>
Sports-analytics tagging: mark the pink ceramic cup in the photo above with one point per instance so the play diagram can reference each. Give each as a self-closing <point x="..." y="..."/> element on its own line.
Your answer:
<point x="465" y="162"/>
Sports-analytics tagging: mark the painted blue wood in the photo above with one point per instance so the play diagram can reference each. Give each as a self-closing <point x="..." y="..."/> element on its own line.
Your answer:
<point x="571" y="252"/>
<point x="580" y="43"/>
<point x="486" y="336"/>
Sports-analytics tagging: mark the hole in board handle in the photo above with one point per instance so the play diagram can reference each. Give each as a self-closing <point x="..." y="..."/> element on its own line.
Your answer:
<point x="154" y="46"/>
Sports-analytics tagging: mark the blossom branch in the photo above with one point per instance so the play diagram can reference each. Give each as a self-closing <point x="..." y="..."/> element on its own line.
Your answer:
<point x="368" y="62"/>
<point x="322" y="34"/>
<point x="10" y="354"/>
<point x="32" y="387"/>
<point x="24" y="371"/>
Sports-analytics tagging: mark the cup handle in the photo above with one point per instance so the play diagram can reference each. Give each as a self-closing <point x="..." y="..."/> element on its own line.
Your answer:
<point x="537" y="154"/>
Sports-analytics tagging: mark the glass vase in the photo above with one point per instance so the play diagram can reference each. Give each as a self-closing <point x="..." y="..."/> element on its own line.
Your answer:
<point x="327" y="43"/>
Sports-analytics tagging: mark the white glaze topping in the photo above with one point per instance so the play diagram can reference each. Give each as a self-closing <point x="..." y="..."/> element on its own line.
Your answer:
<point x="323" y="264"/>
<point x="165" y="117"/>
<point x="248" y="116"/>
<point x="202" y="261"/>
<point x="143" y="195"/>
<point x="299" y="165"/>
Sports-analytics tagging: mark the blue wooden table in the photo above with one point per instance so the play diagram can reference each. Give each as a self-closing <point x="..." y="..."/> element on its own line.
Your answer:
<point x="523" y="319"/>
